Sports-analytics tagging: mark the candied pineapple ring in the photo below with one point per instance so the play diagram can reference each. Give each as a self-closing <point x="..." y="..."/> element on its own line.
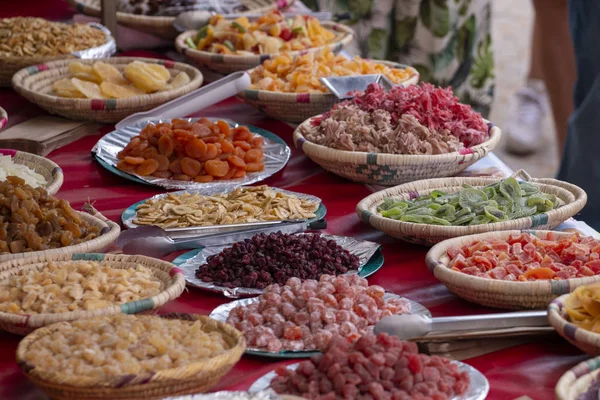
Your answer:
<point x="122" y="345"/>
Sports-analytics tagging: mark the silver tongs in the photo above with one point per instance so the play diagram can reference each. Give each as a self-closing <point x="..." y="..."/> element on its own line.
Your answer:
<point x="343" y="87"/>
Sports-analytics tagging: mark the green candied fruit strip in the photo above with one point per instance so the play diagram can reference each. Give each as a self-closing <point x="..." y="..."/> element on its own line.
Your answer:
<point x="417" y="219"/>
<point x="546" y="206"/>
<point x="535" y="201"/>
<point x="440" y="221"/>
<point x="437" y="193"/>
<point x="480" y="220"/>
<point x="389" y="203"/>
<point x="494" y="214"/>
<point x="447" y="199"/>
<point x="392" y="212"/>
<point x="446" y="210"/>
<point x="434" y="206"/>
<point x="471" y="197"/>
<point x="420" y="211"/>
<point x="510" y="189"/>
<point x="463" y="212"/>
<point x="464" y="219"/>
<point x="480" y="207"/>
<point x="490" y="192"/>
<point x="524" y="212"/>
<point x="528" y="188"/>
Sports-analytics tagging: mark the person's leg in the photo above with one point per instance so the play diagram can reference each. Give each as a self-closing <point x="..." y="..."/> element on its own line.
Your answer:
<point x="581" y="164"/>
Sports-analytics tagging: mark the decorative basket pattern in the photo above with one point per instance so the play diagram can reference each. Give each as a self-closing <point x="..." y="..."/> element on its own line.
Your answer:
<point x="35" y="84"/>
<point x="497" y="293"/>
<point x="298" y="107"/>
<point x="163" y="26"/>
<point x="577" y="380"/>
<point x="587" y="341"/>
<point x="228" y="63"/>
<point x="3" y="118"/>
<point x="197" y="377"/>
<point x="392" y="169"/>
<point x="572" y="197"/>
<point x="171" y="277"/>
<point x="43" y="166"/>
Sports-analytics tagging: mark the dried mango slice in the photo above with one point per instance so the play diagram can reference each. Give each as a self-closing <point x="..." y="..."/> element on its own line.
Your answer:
<point x="89" y="89"/>
<point x="110" y="89"/>
<point x="147" y="79"/>
<point x="109" y="73"/>
<point x="181" y="79"/>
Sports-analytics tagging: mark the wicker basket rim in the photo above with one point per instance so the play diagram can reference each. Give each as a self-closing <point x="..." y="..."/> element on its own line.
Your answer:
<point x="186" y="372"/>
<point x="53" y="168"/>
<point x="558" y="321"/>
<point x="177" y="279"/>
<point x="438" y="251"/>
<point x="345" y="33"/>
<point x="569" y="379"/>
<point x="3" y="113"/>
<point x="17" y="80"/>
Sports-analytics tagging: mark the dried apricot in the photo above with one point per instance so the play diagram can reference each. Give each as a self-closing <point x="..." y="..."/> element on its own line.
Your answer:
<point x="211" y="152"/>
<point x="236" y="162"/>
<point x="227" y="146"/>
<point x="253" y="155"/>
<point x="240" y="153"/>
<point x="244" y="145"/>
<point x="255" y="167"/>
<point x="241" y="133"/>
<point x="162" y="174"/>
<point x="148" y="167"/>
<point x="229" y="174"/>
<point x="190" y="167"/>
<point x="181" y="124"/>
<point x="165" y="145"/>
<point x="239" y="173"/>
<point x="134" y="160"/>
<point x="163" y="162"/>
<point x="175" y="166"/>
<point x="257" y="141"/>
<point x="203" y="178"/>
<point x="149" y="152"/>
<point x="217" y="168"/>
<point x="124" y="166"/>
<point x="196" y="148"/>
<point x="223" y="127"/>
<point x="182" y="177"/>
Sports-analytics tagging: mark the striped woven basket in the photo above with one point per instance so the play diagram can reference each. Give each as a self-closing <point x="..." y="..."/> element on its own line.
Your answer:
<point x="173" y="284"/>
<point x="43" y="166"/>
<point x="197" y="377"/>
<point x="35" y="84"/>
<point x="109" y="232"/>
<point x="577" y="380"/>
<point x="391" y="169"/>
<point x="3" y="118"/>
<point x="298" y="107"/>
<point x="496" y="293"/>
<point x="228" y="63"/>
<point x="587" y="341"/>
<point x="163" y="26"/>
<point x="572" y="197"/>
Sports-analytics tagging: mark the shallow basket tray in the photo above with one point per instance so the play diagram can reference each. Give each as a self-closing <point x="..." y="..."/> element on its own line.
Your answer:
<point x="577" y="380"/>
<point x="43" y="166"/>
<point x="571" y="197"/>
<point x="35" y="84"/>
<point x="587" y="341"/>
<point x="228" y="63"/>
<point x="3" y="118"/>
<point x="392" y="169"/>
<point x="171" y="277"/>
<point x="163" y="26"/>
<point x="197" y="377"/>
<point x="298" y="107"/>
<point x="497" y="293"/>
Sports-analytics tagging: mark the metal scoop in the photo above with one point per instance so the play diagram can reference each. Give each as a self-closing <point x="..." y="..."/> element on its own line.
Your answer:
<point x="154" y="241"/>
<point x="408" y="326"/>
<point x="343" y="87"/>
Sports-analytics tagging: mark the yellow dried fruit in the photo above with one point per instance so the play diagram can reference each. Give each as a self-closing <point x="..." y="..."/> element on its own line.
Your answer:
<point x="78" y="67"/>
<point x="158" y="69"/>
<point x="145" y="78"/>
<point x="116" y="91"/>
<point x="89" y="89"/>
<point x="181" y="79"/>
<point x="88" y="77"/>
<point x="69" y="94"/>
<point x="109" y="73"/>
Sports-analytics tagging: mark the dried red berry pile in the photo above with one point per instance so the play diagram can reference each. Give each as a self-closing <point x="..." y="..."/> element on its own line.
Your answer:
<point x="274" y="258"/>
<point x="378" y="367"/>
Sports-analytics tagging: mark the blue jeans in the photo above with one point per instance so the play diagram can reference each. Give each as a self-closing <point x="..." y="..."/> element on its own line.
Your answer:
<point x="581" y="160"/>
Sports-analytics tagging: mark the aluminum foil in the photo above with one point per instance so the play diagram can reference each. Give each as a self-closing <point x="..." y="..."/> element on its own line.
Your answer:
<point x="212" y="229"/>
<point x="363" y="249"/>
<point x="222" y="312"/>
<point x="257" y="395"/>
<point x="478" y="389"/>
<point x="276" y="156"/>
<point x="103" y="51"/>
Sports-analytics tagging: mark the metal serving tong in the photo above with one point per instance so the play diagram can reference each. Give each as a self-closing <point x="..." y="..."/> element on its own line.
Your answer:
<point x="154" y="241"/>
<point x="408" y="327"/>
<point x="344" y="86"/>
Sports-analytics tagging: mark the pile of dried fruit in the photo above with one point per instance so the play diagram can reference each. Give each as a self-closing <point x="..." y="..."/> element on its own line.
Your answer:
<point x="201" y="151"/>
<point x="29" y="37"/>
<point x="241" y="205"/>
<point x="32" y="220"/>
<point x="103" y="80"/>
<point x="375" y="367"/>
<point x="274" y="258"/>
<point x="306" y="315"/>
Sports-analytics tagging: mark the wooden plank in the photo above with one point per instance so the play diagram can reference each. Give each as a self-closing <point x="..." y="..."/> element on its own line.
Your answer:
<point x="109" y="16"/>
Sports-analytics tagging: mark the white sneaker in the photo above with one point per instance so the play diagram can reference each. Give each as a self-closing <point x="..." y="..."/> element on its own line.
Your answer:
<point x="524" y="130"/>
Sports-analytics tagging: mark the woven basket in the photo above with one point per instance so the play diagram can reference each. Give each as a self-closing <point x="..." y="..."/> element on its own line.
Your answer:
<point x="497" y="293"/>
<point x="11" y="65"/>
<point x="43" y="166"/>
<point x="35" y="84"/>
<point x="298" y="107"/>
<point x="392" y="169"/>
<point x="577" y="380"/>
<point x="3" y="118"/>
<point x="572" y="197"/>
<point x="587" y="341"/>
<point x="198" y="377"/>
<point x="163" y="26"/>
<point x="228" y="63"/>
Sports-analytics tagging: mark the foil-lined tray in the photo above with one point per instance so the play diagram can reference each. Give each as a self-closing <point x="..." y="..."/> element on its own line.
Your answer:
<point x="276" y="153"/>
<point x="478" y="388"/>
<point x="363" y="249"/>
<point x="267" y="394"/>
<point x="222" y="312"/>
<point x="103" y="51"/>
<point x="195" y="231"/>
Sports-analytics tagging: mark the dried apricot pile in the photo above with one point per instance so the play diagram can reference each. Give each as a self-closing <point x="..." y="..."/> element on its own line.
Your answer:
<point x="201" y="151"/>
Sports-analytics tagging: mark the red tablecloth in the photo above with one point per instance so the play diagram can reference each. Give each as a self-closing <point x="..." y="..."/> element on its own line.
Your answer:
<point x="531" y="369"/>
